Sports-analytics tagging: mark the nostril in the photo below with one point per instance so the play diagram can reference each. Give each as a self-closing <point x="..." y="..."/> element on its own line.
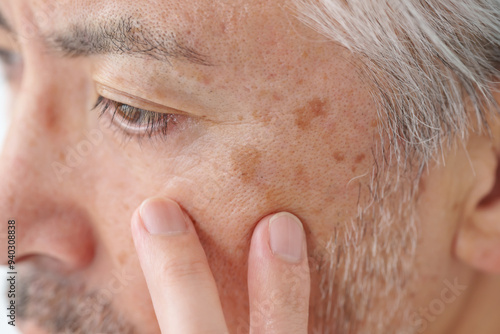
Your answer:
<point x="58" y="231"/>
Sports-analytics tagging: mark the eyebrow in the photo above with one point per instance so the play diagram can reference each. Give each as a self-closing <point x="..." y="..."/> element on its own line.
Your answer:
<point x="123" y="36"/>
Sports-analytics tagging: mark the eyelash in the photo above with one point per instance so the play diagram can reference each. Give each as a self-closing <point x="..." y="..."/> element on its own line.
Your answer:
<point x="153" y="123"/>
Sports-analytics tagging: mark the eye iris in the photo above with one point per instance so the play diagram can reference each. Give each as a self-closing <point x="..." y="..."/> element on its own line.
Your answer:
<point x="130" y="114"/>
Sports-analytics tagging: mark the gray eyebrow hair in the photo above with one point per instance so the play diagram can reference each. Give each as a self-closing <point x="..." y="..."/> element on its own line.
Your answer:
<point x="124" y="36"/>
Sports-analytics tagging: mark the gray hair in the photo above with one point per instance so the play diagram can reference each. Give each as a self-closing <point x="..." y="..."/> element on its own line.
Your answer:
<point x="433" y="63"/>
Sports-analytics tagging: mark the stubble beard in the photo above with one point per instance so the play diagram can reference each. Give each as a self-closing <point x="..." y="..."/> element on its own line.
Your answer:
<point x="62" y="306"/>
<point x="367" y="268"/>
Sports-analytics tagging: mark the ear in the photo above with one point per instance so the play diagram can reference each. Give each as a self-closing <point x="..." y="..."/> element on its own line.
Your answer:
<point x="478" y="236"/>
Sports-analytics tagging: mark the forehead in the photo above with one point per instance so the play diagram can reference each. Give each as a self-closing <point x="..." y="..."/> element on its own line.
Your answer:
<point x="207" y="18"/>
<point x="227" y="30"/>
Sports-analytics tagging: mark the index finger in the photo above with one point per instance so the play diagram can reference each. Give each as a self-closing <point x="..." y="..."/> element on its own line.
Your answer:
<point x="179" y="279"/>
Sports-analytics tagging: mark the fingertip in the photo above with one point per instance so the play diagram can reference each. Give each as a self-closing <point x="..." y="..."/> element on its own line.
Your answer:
<point x="162" y="216"/>
<point x="280" y="236"/>
<point x="136" y="222"/>
<point x="138" y="231"/>
<point x="286" y="237"/>
<point x="278" y="275"/>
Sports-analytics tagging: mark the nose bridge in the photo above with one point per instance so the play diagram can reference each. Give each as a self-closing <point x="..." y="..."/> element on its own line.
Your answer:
<point x="45" y="120"/>
<point x="41" y="128"/>
<point x="33" y="137"/>
<point x="26" y="152"/>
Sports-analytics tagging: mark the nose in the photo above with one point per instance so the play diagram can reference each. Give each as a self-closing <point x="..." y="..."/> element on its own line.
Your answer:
<point x="49" y="223"/>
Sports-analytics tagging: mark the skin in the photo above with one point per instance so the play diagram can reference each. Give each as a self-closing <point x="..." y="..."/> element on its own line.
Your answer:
<point x="282" y="121"/>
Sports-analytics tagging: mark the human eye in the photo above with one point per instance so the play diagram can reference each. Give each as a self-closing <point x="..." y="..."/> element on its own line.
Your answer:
<point x="136" y="122"/>
<point x="11" y="63"/>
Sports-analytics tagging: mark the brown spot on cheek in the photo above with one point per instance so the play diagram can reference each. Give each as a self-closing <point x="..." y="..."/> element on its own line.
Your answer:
<point x="317" y="107"/>
<point x="359" y="158"/>
<point x="339" y="156"/>
<point x="246" y="161"/>
<point x="314" y="108"/>
<point x="203" y="78"/>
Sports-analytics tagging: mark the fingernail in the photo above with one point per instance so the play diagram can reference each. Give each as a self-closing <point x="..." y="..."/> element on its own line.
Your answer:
<point x="286" y="237"/>
<point x="162" y="217"/>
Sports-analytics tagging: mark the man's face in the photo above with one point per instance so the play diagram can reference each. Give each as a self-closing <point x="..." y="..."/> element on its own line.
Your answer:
<point x="268" y="116"/>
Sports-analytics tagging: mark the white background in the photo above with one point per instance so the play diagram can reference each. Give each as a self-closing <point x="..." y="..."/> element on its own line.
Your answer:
<point x="4" y="327"/>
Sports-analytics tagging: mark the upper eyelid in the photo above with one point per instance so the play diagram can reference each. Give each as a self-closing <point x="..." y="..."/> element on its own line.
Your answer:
<point x="136" y="102"/>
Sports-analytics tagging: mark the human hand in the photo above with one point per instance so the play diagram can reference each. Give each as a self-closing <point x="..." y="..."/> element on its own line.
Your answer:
<point x="183" y="289"/>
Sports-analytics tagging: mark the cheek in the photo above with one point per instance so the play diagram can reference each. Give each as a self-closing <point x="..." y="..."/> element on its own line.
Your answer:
<point x="312" y="163"/>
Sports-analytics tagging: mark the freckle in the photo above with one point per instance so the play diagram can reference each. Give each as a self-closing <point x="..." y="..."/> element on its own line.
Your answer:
<point x="339" y="156"/>
<point x="359" y="158"/>
<point x="256" y="114"/>
<point x="300" y="81"/>
<point x="122" y="257"/>
<point x="301" y="175"/>
<point x="314" y="108"/>
<point x="354" y="168"/>
<point x="305" y="54"/>
<point x="302" y="121"/>
<point x="268" y="94"/>
<point x="262" y="115"/>
<point x="374" y="124"/>
<point x="246" y="161"/>
<point x="203" y="78"/>
<point x="240" y="118"/>
<point x="317" y="107"/>
<point x="263" y="94"/>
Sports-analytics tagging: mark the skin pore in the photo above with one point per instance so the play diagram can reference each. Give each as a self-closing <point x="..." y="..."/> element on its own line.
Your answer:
<point x="275" y="118"/>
